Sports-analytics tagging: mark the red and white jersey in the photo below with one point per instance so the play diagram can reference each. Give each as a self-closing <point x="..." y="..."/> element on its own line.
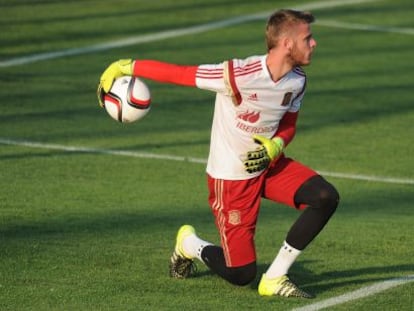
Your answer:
<point x="248" y="102"/>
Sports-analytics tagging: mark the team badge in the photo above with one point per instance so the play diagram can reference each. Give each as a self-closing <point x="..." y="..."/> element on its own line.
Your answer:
<point x="234" y="217"/>
<point x="287" y="98"/>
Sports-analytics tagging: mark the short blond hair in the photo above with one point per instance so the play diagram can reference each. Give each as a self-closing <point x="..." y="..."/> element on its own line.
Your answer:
<point x="280" y="22"/>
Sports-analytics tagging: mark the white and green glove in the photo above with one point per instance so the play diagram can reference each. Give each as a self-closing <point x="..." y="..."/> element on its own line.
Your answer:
<point x="122" y="67"/>
<point x="269" y="150"/>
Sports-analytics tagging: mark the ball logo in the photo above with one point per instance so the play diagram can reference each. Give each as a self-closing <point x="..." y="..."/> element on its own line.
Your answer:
<point x="128" y="100"/>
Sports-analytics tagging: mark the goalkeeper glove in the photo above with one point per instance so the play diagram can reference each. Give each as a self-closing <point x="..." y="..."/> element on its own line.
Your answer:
<point x="122" y="67"/>
<point x="269" y="150"/>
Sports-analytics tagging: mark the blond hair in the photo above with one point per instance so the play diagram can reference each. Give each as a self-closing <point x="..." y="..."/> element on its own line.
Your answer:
<point x="281" y="23"/>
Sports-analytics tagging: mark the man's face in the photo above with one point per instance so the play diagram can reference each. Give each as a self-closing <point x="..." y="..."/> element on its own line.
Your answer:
<point x="303" y="45"/>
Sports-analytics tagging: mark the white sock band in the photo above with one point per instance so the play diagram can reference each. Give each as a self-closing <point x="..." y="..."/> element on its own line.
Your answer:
<point x="283" y="261"/>
<point x="193" y="246"/>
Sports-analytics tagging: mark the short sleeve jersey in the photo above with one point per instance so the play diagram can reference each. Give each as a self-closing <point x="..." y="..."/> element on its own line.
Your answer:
<point x="247" y="102"/>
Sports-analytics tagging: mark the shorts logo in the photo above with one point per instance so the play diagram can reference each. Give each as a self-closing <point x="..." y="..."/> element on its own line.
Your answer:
<point x="234" y="217"/>
<point x="287" y="98"/>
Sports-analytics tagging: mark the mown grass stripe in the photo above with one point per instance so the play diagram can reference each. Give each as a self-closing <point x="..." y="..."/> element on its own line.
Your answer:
<point x="134" y="40"/>
<point x="147" y="155"/>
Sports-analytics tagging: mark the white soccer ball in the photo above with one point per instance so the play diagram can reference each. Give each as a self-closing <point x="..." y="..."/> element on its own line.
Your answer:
<point x="128" y="100"/>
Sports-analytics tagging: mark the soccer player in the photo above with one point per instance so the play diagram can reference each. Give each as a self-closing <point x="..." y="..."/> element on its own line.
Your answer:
<point x="256" y="108"/>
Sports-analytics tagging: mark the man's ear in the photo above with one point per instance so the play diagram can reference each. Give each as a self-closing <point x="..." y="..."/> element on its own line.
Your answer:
<point x="287" y="43"/>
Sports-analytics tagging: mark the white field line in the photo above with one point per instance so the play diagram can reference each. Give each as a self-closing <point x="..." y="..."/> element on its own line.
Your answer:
<point x="140" y="39"/>
<point x="357" y="294"/>
<point x="147" y="155"/>
<point x="124" y="153"/>
<point x="355" y="26"/>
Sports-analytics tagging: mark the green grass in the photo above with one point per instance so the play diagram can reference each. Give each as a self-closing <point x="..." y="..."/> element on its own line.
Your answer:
<point x="88" y="231"/>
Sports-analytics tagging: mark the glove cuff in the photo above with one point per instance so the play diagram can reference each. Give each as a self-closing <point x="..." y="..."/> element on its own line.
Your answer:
<point x="279" y="141"/>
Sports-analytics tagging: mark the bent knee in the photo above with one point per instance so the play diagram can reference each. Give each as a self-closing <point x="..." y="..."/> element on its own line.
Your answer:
<point x="243" y="275"/>
<point x="329" y="198"/>
<point x="329" y="195"/>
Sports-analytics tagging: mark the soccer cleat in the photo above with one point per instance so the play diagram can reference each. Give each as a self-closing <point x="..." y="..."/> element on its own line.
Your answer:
<point x="281" y="286"/>
<point x="182" y="265"/>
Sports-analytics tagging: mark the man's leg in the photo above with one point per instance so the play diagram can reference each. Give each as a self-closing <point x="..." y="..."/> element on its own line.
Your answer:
<point x="190" y="246"/>
<point x="298" y="186"/>
<point x="321" y="200"/>
<point x="213" y="257"/>
<point x="235" y="205"/>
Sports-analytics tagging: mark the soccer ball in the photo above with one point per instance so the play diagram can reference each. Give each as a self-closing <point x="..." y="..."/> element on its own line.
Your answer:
<point x="128" y="100"/>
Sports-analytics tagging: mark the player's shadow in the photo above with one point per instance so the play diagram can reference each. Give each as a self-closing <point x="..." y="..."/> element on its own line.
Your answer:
<point x="326" y="281"/>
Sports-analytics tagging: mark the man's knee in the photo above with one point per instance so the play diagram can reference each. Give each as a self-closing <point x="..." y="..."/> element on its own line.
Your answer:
<point x="242" y="275"/>
<point x="213" y="257"/>
<point x="329" y="198"/>
<point x="318" y="193"/>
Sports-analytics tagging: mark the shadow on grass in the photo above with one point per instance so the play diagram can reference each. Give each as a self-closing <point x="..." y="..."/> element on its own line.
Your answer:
<point x="84" y="223"/>
<point x="330" y="280"/>
<point x="335" y="279"/>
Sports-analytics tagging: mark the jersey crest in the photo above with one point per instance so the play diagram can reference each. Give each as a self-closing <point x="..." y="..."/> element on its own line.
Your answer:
<point x="287" y="98"/>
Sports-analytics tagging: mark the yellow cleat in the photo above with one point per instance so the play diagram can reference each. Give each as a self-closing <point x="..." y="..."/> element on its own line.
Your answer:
<point x="181" y="264"/>
<point x="281" y="286"/>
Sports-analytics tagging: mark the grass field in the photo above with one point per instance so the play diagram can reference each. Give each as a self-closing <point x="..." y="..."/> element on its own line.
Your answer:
<point x="91" y="230"/>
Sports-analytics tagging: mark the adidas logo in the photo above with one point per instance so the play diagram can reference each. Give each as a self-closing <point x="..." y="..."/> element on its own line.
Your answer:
<point x="253" y="97"/>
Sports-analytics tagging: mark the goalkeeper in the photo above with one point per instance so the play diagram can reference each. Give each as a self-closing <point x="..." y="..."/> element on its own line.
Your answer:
<point x="256" y="108"/>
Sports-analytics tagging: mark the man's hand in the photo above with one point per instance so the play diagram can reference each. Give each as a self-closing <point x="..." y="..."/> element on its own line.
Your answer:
<point x="122" y="67"/>
<point x="260" y="158"/>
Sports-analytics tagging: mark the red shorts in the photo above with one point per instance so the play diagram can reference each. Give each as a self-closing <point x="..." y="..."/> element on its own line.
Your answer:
<point x="235" y="205"/>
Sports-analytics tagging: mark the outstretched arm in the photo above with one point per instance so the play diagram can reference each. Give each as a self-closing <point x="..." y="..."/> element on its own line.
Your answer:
<point x="150" y="69"/>
<point x="165" y="72"/>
